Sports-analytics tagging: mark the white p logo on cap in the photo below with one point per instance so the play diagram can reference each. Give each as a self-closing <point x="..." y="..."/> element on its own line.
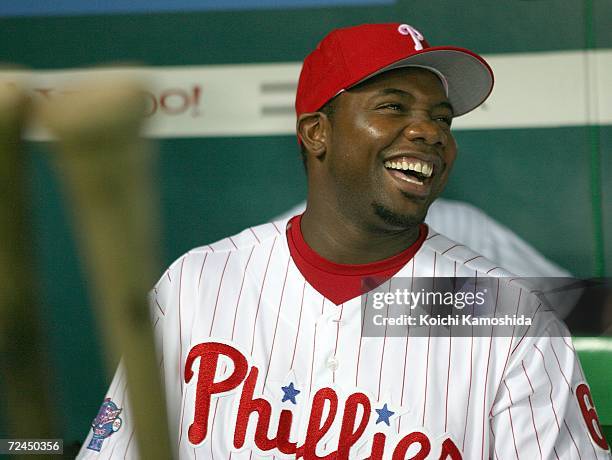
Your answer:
<point x="417" y="36"/>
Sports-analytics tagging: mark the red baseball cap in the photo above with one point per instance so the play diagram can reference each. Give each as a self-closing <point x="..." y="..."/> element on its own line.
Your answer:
<point x="346" y="57"/>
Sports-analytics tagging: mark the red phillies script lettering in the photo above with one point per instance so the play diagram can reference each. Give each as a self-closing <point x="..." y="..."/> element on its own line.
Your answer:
<point x="325" y="407"/>
<point x="315" y="430"/>
<point x="209" y="354"/>
<point x="247" y="406"/>
<point x="348" y="434"/>
<point x="585" y="401"/>
<point x="416" y="437"/>
<point x="450" y="451"/>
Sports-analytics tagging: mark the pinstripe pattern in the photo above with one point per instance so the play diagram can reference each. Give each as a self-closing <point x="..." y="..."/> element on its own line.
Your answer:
<point x="481" y="392"/>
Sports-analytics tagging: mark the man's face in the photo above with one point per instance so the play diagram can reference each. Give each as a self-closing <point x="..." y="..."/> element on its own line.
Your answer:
<point x="390" y="148"/>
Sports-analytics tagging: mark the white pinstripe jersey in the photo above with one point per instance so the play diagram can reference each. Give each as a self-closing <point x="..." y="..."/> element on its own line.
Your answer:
<point x="357" y="397"/>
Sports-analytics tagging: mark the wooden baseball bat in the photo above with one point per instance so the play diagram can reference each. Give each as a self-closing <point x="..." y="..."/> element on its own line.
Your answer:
<point x="25" y="371"/>
<point x="107" y="172"/>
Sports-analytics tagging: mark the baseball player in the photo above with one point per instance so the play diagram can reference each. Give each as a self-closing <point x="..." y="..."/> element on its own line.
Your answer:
<point x="259" y="334"/>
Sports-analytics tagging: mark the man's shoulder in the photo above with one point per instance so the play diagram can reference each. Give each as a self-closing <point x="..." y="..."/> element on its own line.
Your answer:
<point x="245" y="240"/>
<point x="461" y="257"/>
<point x="238" y="246"/>
<point x="512" y="294"/>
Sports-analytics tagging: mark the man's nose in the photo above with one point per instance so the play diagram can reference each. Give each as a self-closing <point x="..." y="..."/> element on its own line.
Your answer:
<point x="426" y="131"/>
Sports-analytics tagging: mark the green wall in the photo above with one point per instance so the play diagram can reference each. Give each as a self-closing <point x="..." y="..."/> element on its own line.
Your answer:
<point x="550" y="185"/>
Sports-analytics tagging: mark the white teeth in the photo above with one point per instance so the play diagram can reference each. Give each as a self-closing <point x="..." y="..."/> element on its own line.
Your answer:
<point x="421" y="167"/>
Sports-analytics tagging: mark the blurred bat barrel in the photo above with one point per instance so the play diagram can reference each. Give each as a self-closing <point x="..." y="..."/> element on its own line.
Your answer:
<point x="25" y="372"/>
<point x="107" y="173"/>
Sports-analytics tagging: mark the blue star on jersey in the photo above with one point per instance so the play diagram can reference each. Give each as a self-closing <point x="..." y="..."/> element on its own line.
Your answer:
<point x="384" y="414"/>
<point x="290" y="393"/>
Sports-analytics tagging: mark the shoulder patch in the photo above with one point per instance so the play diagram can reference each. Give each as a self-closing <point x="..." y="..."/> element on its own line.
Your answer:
<point x="106" y="423"/>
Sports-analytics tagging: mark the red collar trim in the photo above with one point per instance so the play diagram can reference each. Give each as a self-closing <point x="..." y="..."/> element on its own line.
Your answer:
<point x="301" y="251"/>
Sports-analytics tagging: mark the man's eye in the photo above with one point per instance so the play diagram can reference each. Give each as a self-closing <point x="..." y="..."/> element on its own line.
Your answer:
<point x="391" y="106"/>
<point x="446" y="120"/>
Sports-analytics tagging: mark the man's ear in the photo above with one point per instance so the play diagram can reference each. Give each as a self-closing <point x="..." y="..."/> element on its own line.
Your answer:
<point x="313" y="130"/>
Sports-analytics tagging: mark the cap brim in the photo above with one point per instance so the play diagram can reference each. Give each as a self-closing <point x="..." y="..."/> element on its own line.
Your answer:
<point x="469" y="77"/>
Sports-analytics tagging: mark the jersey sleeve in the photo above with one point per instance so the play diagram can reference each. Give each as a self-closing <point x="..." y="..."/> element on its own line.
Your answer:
<point x="543" y="408"/>
<point x="111" y="433"/>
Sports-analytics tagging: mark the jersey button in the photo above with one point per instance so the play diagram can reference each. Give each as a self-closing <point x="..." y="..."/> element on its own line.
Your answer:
<point x="332" y="363"/>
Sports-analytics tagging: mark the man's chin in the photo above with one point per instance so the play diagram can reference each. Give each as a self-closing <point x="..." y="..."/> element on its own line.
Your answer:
<point x="399" y="220"/>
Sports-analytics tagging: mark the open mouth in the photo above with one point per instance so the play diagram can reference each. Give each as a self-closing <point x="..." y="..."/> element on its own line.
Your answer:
<point x="411" y="170"/>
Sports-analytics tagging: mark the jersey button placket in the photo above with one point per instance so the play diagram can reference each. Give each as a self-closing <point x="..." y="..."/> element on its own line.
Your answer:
<point x="325" y="356"/>
<point x="333" y="323"/>
<point x="332" y="363"/>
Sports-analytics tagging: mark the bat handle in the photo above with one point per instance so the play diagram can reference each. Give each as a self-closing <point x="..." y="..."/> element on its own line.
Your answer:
<point x="106" y="169"/>
<point x="26" y="374"/>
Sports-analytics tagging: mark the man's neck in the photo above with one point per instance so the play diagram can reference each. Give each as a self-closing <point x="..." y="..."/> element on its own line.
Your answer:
<point x="344" y="241"/>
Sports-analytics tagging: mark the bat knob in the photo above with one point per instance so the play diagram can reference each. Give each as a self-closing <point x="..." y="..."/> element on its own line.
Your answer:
<point x="101" y="111"/>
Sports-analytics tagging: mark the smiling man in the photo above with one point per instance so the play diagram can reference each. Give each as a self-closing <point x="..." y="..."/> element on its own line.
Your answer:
<point x="371" y="174"/>
<point x="263" y="337"/>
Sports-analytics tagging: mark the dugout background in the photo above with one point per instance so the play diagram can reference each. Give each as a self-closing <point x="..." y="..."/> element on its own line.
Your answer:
<point x="550" y="185"/>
